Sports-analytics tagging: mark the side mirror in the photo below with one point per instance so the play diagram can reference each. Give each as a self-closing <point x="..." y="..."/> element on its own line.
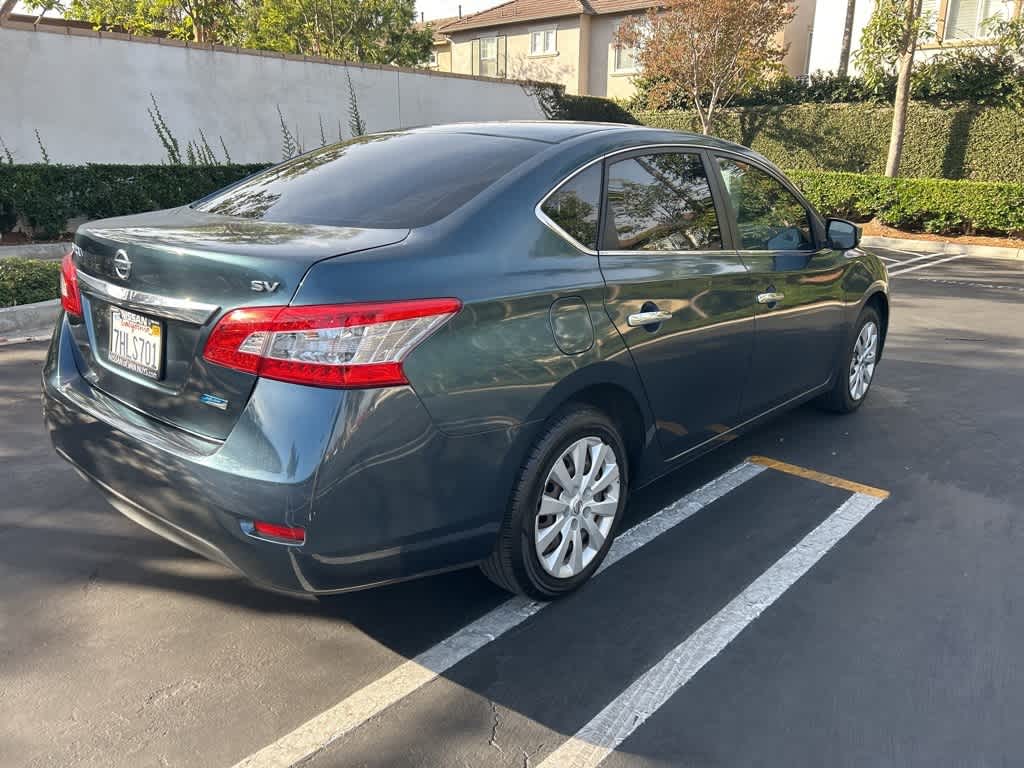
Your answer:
<point x="842" y="235"/>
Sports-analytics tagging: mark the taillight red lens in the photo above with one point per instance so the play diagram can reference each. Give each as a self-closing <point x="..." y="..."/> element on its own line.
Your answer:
<point x="70" y="298"/>
<point x="343" y="345"/>
<point x="283" y="532"/>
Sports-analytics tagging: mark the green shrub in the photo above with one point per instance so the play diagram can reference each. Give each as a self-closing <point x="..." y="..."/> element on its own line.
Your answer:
<point x="26" y="281"/>
<point x="957" y="141"/>
<point x="46" y="197"/>
<point x="930" y="205"/>
<point x="593" y="108"/>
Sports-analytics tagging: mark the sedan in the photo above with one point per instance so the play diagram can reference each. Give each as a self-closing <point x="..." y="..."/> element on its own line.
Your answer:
<point x="449" y="346"/>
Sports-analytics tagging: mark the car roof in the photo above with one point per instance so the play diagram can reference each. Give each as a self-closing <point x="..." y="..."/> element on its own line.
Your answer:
<point x="547" y="131"/>
<point x="558" y="131"/>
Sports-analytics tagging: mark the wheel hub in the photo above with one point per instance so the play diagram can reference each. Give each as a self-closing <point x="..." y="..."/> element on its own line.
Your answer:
<point x="577" y="507"/>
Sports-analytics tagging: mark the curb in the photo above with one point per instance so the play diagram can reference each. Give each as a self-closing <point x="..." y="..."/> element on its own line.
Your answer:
<point x="28" y="322"/>
<point x="944" y="247"/>
<point x="49" y="251"/>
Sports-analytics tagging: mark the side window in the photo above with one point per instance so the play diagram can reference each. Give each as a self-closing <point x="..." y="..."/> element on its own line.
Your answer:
<point x="768" y="216"/>
<point x="575" y="206"/>
<point x="661" y="202"/>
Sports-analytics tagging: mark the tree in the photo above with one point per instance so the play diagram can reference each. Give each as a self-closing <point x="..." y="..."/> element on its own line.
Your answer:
<point x="372" y="31"/>
<point x="711" y="50"/>
<point x="888" y="43"/>
<point x="844" y="50"/>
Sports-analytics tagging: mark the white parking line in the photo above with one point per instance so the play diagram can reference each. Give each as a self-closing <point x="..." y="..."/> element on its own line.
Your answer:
<point x="886" y="258"/>
<point x="348" y="714"/>
<point x="598" y="738"/>
<point x="929" y="264"/>
<point x="911" y="253"/>
<point x="919" y="258"/>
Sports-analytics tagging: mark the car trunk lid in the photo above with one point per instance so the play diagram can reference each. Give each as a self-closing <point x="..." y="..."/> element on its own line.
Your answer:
<point x="153" y="286"/>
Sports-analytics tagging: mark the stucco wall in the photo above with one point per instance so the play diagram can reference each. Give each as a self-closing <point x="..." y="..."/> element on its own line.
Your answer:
<point x="604" y="81"/>
<point x="797" y="35"/>
<point x="829" y="19"/>
<point x="562" y="67"/>
<point x="444" y="58"/>
<point x="88" y="96"/>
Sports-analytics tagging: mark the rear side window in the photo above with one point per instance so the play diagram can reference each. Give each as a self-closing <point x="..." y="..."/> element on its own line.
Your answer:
<point x="576" y="204"/>
<point x="661" y="202"/>
<point x="768" y="216"/>
<point x="390" y="181"/>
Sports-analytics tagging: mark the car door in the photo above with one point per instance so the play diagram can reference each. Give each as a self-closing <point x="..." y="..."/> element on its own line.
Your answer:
<point x="797" y="282"/>
<point x="677" y="292"/>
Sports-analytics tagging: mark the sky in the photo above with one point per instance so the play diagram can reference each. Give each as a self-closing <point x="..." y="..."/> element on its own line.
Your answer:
<point x="436" y="9"/>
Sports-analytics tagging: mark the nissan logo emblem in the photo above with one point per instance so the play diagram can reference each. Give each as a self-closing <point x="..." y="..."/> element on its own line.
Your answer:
<point x="122" y="265"/>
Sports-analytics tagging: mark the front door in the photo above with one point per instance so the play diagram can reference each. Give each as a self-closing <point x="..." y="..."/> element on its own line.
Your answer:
<point x="797" y="282"/>
<point x="680" y="299"/>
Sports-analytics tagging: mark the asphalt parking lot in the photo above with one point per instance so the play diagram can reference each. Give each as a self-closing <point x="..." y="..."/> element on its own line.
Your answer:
<point x="854" y="598"/>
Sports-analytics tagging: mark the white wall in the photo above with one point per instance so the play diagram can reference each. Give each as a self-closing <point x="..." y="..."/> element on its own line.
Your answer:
<point x="829" y="19"/>
<point x="87" y="96"/>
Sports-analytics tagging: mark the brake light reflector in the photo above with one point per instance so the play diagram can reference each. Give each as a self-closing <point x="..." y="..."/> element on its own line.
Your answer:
<point x="282" y="532"/>
<point x="337" y="345"/>
<point x="70" y="298"/>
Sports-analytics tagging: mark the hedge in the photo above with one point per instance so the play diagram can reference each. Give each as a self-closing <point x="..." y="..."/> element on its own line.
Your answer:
<point x="931" y="205"/>
<point x="46" y="197"/>
<point x="958" y="141"/>
<point x="25" y="281"/>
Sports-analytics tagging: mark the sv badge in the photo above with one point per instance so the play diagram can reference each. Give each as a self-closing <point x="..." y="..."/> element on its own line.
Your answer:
<point x="264" y="286"/>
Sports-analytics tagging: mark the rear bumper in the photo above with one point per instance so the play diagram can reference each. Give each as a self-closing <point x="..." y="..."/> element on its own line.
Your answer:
<point x="364" y="472"/>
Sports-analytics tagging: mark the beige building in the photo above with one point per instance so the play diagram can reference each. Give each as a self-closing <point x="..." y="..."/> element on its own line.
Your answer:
<point x="567" y="41"/>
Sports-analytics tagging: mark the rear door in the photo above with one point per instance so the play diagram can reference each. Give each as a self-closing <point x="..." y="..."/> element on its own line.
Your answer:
<point x="676" y="291"/>
<point x="797" y="282"/>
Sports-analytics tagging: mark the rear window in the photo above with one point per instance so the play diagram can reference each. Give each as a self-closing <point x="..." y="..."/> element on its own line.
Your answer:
<point x="393" y="181"/>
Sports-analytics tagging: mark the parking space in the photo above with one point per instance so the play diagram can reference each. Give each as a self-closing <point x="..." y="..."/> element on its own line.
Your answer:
<point x="825" y="590"/>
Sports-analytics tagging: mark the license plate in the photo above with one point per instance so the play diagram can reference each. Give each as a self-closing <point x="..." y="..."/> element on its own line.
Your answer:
<point x="136" y="343"/>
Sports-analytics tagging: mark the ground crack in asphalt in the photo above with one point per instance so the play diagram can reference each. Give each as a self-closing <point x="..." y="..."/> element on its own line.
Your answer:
<point x="494" y="728"/>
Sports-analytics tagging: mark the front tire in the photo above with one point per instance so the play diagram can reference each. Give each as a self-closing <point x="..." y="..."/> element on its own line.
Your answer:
<point x="565" y="507"/>
<point x="856" y="368"/>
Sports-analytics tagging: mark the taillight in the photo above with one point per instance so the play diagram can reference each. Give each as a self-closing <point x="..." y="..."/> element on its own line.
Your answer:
<point x="284" y="533"/>
<point x="70" y="298"/>
<point x="343" y="345"/>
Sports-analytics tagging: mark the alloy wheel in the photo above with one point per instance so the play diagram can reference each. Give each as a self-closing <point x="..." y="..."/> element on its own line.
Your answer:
<point x="577" y="507"/>
<point x="862" y="364"/>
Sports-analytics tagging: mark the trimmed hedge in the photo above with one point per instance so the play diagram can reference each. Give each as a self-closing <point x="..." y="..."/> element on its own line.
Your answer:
<point x="26" y="281"/>
<point x="46" y="197"/>
<point x="931" y="205"/>
<point x="959" y="141"/>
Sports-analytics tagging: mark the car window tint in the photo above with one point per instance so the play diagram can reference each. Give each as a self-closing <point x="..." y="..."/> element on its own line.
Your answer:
<point x="768" y="216"/>
<point x="661" y="202"/>
<point x="390" y="181"/>
<point x="575" y="206"/>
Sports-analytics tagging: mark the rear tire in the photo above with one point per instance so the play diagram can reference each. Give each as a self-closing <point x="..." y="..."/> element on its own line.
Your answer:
<point x="856" y="368"/>
<point x="565" y="507"/>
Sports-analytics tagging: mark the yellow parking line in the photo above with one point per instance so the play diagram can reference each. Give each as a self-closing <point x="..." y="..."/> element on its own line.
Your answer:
<point x="820" y="477"/>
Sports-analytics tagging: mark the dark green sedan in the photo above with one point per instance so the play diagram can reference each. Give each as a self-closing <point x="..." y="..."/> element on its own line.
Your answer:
<point x="449" y="346"/>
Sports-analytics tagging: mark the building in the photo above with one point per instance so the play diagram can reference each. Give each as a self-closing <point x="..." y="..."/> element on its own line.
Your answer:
<point x="955" y="23"/>
<point x="571" y="42"/>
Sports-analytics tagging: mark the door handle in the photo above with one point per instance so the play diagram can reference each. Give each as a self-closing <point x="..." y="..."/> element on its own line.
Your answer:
<point x="770" y="298"/>
<point x="648" y="318"/>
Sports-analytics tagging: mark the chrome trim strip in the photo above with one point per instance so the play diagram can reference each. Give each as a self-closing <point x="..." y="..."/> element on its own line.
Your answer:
<point x="547" y="222"/>
<point x="150" y="303"/>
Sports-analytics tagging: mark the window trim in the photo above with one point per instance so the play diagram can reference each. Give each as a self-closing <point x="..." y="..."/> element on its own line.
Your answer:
<point x="432" y="60"/>
<point x="728" y="241"/>
<point x="541" y="30"/>
<point x="480" y="54"/>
